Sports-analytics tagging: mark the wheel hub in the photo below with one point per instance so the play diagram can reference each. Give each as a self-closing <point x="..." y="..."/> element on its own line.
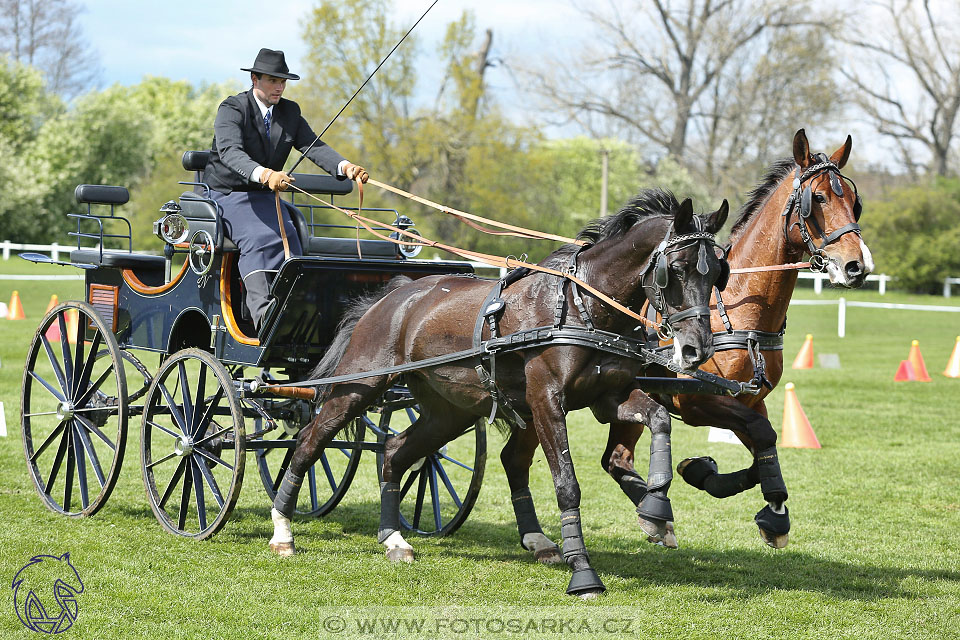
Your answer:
<point x="65" y="410"/>
<point x="183" y="446"/>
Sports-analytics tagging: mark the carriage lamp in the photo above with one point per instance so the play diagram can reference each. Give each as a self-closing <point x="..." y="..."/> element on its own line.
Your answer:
<point x="172" y="228"/>
<point x="407" y="250"/>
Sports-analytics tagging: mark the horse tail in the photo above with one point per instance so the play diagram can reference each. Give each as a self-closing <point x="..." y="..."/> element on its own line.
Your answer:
<point x="355" y="310"/>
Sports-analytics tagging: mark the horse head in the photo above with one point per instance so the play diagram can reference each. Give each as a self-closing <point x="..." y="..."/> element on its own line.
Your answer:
<point x="824" y="210"/>
<point x="685" y="268"/>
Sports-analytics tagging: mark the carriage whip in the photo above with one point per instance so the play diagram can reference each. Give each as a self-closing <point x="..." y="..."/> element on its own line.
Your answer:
<point x="342" y="109"/>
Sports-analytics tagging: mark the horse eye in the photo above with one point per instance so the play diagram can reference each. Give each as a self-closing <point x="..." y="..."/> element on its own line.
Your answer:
<point x="820" y="198"/>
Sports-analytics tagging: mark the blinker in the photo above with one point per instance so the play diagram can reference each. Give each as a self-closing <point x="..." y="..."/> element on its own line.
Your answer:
<point x="806" y="201"/>
<point x="835" y="184"/>
<point x="661" y="276"/>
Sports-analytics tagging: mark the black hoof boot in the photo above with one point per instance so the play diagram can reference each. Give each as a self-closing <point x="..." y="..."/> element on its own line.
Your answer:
<point x="773" y="527"/>
<point x="585" y="583"/>
<point x="695" y="471"/>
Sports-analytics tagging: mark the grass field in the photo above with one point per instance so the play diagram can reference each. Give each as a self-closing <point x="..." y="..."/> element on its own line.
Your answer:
<point x="874" y="551"/>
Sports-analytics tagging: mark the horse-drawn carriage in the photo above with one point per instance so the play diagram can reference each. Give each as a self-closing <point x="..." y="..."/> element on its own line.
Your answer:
<point x="207" y="404"/>
<point x="549" y="338"/>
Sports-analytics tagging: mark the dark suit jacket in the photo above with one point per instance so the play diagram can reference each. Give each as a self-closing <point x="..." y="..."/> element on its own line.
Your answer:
<point x="240" y="143"/>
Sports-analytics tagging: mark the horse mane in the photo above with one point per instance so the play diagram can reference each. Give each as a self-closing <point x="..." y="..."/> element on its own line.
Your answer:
<point x="646" y="204"/>
<point x="761" y="193"/>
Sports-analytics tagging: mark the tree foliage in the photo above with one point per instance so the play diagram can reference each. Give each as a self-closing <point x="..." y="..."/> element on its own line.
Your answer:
<point x="914" y="234"/>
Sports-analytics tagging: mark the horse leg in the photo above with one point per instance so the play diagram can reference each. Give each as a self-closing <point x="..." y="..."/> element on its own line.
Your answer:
<point x="517" y="456"/>
<point x="439" y="422"/>
<point x="755" y="431"/>
<point x="346" y="402"/>
<point x="551" y="427"/>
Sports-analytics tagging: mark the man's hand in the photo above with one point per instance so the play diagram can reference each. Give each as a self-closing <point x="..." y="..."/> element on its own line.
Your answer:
<point x="276" y="180"/>
<point x="355" y="172"/>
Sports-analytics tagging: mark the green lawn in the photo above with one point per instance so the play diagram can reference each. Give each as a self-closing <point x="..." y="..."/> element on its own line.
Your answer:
<point x="874" y="551"/>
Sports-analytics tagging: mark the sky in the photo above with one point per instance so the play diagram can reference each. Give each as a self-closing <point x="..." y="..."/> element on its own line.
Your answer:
<point x="207" y="42"/>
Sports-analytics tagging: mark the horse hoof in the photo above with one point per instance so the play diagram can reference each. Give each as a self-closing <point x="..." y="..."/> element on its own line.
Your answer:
<point x="283" y="549"/>
<point x="656" y="530"/>
<point x="669" y="538"/>
<point x="550" y="555"/>
<point x="774" y="540"/>
<point x="398" y="554"/>
<point x="590" y="595"/>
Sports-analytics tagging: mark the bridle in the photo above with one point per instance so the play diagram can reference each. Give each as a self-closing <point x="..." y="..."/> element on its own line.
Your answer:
<point x="801" y="200"/>
<point x="661" y="277"/>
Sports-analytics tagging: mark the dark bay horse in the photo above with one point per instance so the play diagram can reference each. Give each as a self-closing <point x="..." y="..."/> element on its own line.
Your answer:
<point x="802" y="206"/>
<point x="654" y="248"/>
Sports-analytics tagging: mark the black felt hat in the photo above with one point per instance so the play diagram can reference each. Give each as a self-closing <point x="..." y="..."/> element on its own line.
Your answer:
<point x="272" y="63"/>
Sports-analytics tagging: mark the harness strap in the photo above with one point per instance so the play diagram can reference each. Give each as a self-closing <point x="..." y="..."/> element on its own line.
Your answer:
<point x="490" y="310"/>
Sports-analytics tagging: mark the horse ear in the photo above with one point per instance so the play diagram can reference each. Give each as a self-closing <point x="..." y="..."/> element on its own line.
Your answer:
<point x="841" y="155"/>
<point x="801" y="148"/>
<point x="718" y="217"/>
<point x="684" y="215"/>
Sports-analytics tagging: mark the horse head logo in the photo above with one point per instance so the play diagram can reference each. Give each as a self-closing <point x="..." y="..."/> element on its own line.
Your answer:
<point x="45" y="593"/>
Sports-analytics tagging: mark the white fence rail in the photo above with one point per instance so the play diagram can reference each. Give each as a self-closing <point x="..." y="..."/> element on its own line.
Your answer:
<point x="946" y="285"/>
<point x="842" y="305"/>
<point x="53" y="249"/>
<point x="819" y="278"/>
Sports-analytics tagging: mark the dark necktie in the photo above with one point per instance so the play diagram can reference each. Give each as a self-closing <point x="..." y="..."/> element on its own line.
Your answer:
<point x="266" y="124"/>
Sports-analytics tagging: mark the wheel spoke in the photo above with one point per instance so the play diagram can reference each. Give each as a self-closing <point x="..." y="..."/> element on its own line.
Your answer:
<point x="53" y="363"/>
<point x="198" y="489"/>
<point x="434" y="494"/>
<point x="57" y="461"/>
<point x="406" y="485"/>
<point x="421" y="491"/>
<point x="187" y="398"/>
<point x="65" y="353"/>
<point x="456" y="462"/>
<point x="96" y="431"/>
<point x="198" y="404"/>
<point x="163" y="428"/>
<point x="47" y="441"/>
<point x="312" y="477"/>
<point x="93" y="388"/>
<point x="211" y="457"/>
<point x="177" y="474"/>
<point x="47" y="386"/>
<point x="287" y="457"/>
<point x="172" y="454"/>
<point x="78" y="360"/>
<point x="212" y="483"/>
<point x="87" y="370"/>
<point x="174" y="409"/>
<point x="328" y="472"/>
<point x="204" y="422"/>
<point x="185" y="499"/>
<point x="446" y="482"/>
<point x="211" y="436"/>
<point x="91" y="453"/>
<point x="81" y="470"/>
<point x="68" y="475"/>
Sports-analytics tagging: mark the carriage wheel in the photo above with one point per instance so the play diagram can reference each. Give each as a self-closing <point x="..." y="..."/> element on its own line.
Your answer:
<point x="438" y="492"/>
<point x="326" y="481"/>
<point x="74" y="410"/>
<point x="192" y="445"/>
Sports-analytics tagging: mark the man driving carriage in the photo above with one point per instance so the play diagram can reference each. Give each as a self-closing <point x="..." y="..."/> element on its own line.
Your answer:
<point x="253" y="134"/>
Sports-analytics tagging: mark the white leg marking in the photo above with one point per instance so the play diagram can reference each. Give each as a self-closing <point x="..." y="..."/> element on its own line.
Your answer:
<point x="778" y="509"/>
<point x="396" y="541"/>
<point x="281" y="528"/>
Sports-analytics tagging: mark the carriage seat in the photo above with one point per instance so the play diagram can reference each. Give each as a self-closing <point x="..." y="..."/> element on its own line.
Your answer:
<point x="117" y="259"/>
<point x="201" y="213"/>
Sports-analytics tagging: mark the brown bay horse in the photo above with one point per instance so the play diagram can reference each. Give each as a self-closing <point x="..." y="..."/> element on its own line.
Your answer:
<point x="654" y="248"/>
<point x="803" y="206"/>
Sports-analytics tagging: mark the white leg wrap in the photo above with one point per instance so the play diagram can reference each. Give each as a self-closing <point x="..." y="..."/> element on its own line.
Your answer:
<point x="281" y="528"/>
<point x="396" y="541"/>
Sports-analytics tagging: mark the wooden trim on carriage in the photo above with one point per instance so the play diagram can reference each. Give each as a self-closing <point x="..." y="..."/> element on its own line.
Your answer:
<point x="144" y="289"/>
<point x="226" y="303"/>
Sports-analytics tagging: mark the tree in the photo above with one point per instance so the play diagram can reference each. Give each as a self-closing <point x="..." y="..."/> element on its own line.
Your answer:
<point x="918" y="43"/>
<point x="684" y="79"/>
<point x="914" y="235"/>
<point x="45" y="34"/>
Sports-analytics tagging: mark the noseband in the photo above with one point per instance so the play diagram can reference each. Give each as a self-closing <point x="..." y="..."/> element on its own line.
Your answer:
<point x="661" y="278"/>
<point x="801" y="200"/>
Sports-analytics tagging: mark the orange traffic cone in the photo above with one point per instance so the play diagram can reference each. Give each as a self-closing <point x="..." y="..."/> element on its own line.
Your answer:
<point x="953" y="364"/>
<point x="905" y="372"/>
<point x="916" y="360"/>
<point x="15" y="308"/>
<point x="53" y="302"/>
<point x="796" y="431"/>
<point x="804" y="359"/>
<point x="73" y="322"/>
